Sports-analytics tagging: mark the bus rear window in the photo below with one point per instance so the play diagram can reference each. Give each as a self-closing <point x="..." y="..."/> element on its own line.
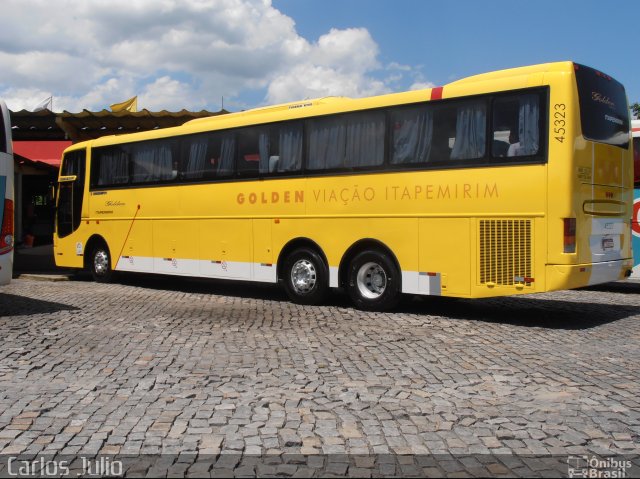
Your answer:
<point x="603" y="107"/>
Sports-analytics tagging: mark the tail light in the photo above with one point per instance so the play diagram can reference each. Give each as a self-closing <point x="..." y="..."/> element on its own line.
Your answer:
<point x="6" y="232"/>
<point x="569" y="240"/>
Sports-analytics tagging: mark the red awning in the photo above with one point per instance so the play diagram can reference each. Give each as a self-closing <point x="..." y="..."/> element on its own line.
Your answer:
<point x="46" y="151"/>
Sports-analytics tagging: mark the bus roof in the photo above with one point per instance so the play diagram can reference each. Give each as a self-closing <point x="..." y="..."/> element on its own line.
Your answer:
<point x="513" y="78"/>
<point x="565" y="66"/>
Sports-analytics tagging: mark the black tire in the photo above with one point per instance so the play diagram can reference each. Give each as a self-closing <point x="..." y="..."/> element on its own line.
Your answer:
<point x="374" y="282"/>
<point x="100" y="264"/>
<point x="305" y="276"/>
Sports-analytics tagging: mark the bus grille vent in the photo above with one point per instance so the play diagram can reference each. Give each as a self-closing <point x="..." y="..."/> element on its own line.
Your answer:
<point x="505" y="251"/>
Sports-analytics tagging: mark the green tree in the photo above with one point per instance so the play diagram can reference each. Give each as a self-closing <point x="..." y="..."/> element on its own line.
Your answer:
<point x="635" y="109"/>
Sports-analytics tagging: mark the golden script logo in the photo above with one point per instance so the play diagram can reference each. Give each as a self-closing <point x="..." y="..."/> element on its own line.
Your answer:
<point x="600" y="98"/>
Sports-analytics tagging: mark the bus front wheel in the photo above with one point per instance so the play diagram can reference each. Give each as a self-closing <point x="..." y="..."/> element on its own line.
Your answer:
<point x="305" y="277"/>
<point x="373" y="281"/>
<point x="100" y="264"/>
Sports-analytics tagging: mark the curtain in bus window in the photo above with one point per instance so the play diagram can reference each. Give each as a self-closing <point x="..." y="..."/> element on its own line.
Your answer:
<point x="152" y="163"/>
<point x="412" y="134"/>
<point x="327" y="140"/>
<point x="197" y="158"/>
<point x="113" y="168"/>
<point x="290" y="148"/>
<point x="263" y="151"/>
<point x="528" y="125"/>
<point x="365" y="140"/>
<point x="470" y="132"/>
<point x="227" y="155"/>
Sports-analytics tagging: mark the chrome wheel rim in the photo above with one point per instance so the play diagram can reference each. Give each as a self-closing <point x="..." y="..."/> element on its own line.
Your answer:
<point x="101" y="263"/>
<point x="371" y="280"/>
<point x="303" y="276"/>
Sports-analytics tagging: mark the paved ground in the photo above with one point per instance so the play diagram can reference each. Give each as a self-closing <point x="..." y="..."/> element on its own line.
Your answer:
<point x="166" y="366"/>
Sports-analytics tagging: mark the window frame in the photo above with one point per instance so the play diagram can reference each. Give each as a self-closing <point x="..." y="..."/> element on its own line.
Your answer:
<point x="487" y="160"/>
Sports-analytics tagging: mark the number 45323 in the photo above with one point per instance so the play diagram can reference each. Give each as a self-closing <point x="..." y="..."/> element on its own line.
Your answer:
<point x="559" y="121"/>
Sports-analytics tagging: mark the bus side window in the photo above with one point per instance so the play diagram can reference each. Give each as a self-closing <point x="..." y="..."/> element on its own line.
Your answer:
<point x="195" y="153"/>
<point x="153" y="161"/>
<point x="326" y="143"/>
<point x="285" y="149"/>
<point x="270" y="149"/>
<point x="110" y="166"/>
<point x="471" y="128"/>
<point x="208" y="156"/>
<point x="354" y="140"/>
<point x="516" y="126"/>
<point x="504" y="126"/>
<point x="224" y="152"/>
<point x="411" y="135"/>
<point x="444" y="130"/>
<point x="365" y="139"/>
<point x="248" y="157"/>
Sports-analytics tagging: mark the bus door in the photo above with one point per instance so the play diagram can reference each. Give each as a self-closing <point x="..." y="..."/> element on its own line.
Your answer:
<point x="70" y="192"/>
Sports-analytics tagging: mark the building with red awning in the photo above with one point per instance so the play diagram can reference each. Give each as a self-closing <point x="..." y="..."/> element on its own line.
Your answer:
<point x="40" y="137"/>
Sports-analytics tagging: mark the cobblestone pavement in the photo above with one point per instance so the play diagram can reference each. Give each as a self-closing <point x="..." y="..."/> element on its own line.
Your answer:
<point x="165" y="366"/>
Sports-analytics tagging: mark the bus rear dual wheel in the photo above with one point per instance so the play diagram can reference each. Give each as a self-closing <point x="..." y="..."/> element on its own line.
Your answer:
<point x="373" y="279"/>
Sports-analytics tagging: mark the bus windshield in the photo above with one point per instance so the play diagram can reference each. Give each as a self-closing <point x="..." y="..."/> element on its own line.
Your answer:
<point x="603" y="107"/>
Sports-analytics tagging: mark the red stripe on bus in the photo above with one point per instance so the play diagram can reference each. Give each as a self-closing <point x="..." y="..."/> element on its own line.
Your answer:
<point x="436" y="93"/>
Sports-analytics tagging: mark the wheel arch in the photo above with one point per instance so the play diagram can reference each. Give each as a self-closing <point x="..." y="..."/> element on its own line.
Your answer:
<point x="357" y="248"/>
<point x="88" y="248"/>
<point x="294" y="244"/>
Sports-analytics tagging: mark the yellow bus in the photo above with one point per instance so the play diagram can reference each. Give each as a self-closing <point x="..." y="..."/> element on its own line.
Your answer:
<point x="516" y="181"/>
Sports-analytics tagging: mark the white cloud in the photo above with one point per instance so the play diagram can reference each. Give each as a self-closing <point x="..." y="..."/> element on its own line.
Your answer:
<point x="25" y="98"/>
<point x="176" y="54"/>
<point x="337" y="64"/>
<point x="166" y="93"/>
<point x="314" y="81"/>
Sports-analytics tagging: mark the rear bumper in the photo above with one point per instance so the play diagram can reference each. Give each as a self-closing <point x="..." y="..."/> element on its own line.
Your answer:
<point x="580" y="275"/>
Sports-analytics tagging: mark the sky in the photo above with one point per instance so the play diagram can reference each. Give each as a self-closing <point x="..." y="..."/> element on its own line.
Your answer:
<point x="241" y="54"/>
